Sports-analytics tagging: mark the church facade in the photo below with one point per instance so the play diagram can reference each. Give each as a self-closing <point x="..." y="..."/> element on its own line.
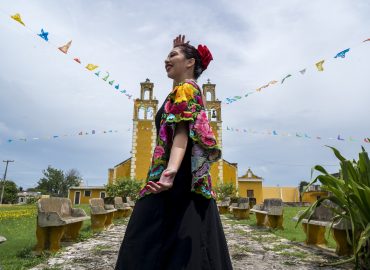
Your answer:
<point x="144" y="137"/>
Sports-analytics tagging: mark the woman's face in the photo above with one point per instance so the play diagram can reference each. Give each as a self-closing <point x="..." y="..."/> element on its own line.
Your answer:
<point x="176" y="64"/>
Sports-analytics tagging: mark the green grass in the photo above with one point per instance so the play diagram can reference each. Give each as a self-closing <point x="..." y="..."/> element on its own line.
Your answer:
<point x="20" y="232"/>
<point x="290" y="232"/>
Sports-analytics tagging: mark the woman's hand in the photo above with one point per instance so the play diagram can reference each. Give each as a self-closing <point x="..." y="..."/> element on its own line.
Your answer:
<point x="179" y="40"/>
<point x="164" y="183"/>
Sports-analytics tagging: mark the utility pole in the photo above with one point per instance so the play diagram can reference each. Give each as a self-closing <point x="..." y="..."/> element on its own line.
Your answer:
<point x="6" y="169"/>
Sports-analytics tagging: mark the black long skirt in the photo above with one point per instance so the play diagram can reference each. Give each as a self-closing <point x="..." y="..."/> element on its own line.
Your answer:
<point x="174" y="229"/>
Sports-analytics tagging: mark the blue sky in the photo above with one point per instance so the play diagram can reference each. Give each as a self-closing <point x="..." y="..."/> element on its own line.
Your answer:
<point x="45" y="93"/>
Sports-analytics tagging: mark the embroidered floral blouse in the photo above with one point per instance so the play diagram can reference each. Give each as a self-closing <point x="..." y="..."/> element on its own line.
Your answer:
<point x="185" y="103"/>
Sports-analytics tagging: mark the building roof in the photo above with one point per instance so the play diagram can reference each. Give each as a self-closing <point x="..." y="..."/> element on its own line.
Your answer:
<point x="88" y="187"/>
<point x="232" y="164"/>
<point x="123" y="162"/>
<point x="250" y="176"/>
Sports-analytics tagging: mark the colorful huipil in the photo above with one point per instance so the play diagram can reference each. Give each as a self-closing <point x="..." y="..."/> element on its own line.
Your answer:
<point x="185" y="103"/>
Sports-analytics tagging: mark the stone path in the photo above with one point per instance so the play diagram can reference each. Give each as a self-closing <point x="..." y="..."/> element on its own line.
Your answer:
<point x="249" y="249"/>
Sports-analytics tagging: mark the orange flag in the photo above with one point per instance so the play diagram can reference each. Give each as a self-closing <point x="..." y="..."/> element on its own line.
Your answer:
<point x="65" y="48"/>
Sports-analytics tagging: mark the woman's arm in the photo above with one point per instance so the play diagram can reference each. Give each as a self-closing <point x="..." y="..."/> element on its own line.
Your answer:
<point x="178" y="150"/>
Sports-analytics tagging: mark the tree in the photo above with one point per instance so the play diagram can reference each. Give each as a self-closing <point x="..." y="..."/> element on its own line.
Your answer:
<point x="10" y="192"/>
<point x="301" y="187"/>
<point x="56" y="183"/>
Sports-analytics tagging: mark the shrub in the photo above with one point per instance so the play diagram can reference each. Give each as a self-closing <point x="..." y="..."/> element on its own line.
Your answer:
<point x="124" y="187"/>
<point x="225" y="190"/>
<point x="350" y="192"/>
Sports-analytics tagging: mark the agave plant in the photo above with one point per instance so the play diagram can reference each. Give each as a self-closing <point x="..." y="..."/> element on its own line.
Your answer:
<point x="350" y="192"/>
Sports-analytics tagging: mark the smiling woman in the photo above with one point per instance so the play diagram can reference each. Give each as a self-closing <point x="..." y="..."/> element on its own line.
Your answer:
<point x="175" y="224"/>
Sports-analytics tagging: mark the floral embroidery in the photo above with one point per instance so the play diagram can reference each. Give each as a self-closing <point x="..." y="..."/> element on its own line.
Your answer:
<point x="185" y="103"/>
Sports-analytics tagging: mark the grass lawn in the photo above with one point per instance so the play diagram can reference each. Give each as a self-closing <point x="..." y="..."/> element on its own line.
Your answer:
<point x="18" y="226"/>
<point x="290" y="232"/>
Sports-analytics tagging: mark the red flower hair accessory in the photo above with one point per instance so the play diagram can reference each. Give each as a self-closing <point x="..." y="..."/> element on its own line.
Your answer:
<point x="205" y="56"/>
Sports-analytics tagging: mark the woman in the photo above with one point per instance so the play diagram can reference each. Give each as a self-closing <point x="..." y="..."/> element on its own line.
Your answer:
<point x="175" y="223"/>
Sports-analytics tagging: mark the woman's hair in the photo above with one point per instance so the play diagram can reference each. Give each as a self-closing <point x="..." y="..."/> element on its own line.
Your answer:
<point x="191" y="52"/>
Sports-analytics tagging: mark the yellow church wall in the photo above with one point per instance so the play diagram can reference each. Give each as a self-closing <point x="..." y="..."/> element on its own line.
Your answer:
<point x="94" y="193"/>
<point x="287" y="194"/>
<point x="214" y="174"/>
<point x="122" y="170"/>
<point x="143" y="146"/>
<point x="244" y="186"/>
<point x="312" y="196"/>
<point x="230" y="173"/>
<point x="110" y="176"/>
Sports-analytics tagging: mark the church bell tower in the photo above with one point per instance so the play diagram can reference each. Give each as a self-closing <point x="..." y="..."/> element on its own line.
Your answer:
<point x="143" y="131"/>
<point x="213" y="108"/>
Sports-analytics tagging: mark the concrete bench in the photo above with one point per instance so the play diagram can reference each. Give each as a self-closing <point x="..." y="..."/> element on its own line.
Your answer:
<point x="270" y="213"/>
<point x="241" y="211"/>
<point x="321" y="219"/>
<point x="223" y="206"/>
<point x="101" y="214"/>
<point x="56" y="221"/>
<point x="2" y="239"/>
<point x="123" y="209"/>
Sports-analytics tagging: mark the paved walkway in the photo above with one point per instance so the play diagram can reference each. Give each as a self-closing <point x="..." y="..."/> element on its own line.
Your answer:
<point x="249" y="249"/>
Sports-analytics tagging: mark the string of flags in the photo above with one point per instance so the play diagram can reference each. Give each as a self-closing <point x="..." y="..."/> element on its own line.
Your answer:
<point x="319" y="66"/>
<point x="43" y="34"/>
<point x="80" y="133"/>
<point x="229" y="129"/>
<point x="295" y="134"/>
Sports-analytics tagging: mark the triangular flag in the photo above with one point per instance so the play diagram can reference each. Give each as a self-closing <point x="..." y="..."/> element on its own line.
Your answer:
<point x="342" y="54"/>
<point x="17" y="17"/>
<point x="273" y="82"/>
<point x="106" y="77"/>
<point x="91" y="67"/>
<point x="274" y="132"/>
<point x="111" y="82"/>
<point x="339" y="138"/>
<point x="303" y="71"/>
<point x="9" y="141"/>
<point x="44" y="35"/>
<point x="319" y="65"/>
<point x="65" y="48"/>
<point x="80" y="133"/>
<point x="287" y="76"/>
<point x="117" y="86"/>
<point x="297" y="135"/>
<point x="97" y="73"/>
<point x="366" y="40"/>
<point x="77" y="60"/>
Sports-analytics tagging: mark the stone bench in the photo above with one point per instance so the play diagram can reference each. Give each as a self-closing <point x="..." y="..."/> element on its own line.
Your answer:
<point x="315" y="228"/>
<point x="130" y="202"/>
<point x="2" y="239"/>
<point x="270" y="213"/>
<point x="101" y="214"/>
<point x="56" y="221"/>
<point x="223" y="206"/>
<point x="123" y="209"/>
<point x="241" y="210"/>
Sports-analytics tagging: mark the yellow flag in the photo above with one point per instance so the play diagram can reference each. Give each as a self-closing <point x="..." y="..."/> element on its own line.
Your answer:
<point x="17" y="17"/>
<point x="91" y="67"/>
<point x="65" y="48"/>
<point x="319" y="65"/>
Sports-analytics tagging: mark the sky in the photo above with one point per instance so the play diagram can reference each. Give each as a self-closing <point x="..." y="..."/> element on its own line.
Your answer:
<point x="45" y="93"/>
